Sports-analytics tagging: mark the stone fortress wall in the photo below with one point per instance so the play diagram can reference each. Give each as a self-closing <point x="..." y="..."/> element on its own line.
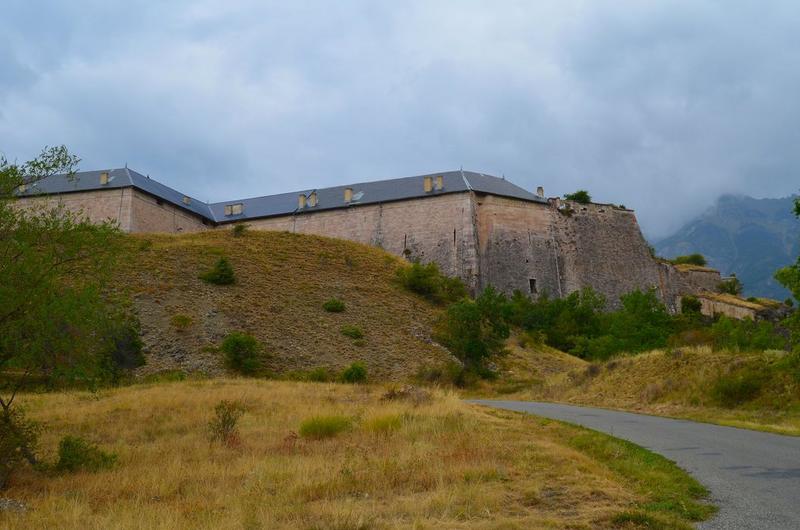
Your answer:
<point x="536" y="247"/>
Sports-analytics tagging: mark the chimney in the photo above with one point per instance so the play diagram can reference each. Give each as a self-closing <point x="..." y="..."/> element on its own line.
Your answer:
<point x="301" y="201"/>
<point x="104" y="178"/>
<point x="348" y="194"/>
<point x="428" y="184"/>
<point x="312" y="199"/>
<point x="540" y="191"/>
<point x="439" y="183"/>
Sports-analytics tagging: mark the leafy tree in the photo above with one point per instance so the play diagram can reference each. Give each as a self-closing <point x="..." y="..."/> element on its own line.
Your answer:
<point x="475" y="330"/>
<point x="56" y="323"/>
<point x="580" y="196"/>
<point x="789" y="277"/>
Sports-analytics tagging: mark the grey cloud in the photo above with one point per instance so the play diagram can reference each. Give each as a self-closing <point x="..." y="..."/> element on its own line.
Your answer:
<point x="661" y="106"/>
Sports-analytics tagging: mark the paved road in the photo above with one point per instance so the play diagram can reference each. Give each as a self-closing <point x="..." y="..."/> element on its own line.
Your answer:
<point x="754" y="477"/>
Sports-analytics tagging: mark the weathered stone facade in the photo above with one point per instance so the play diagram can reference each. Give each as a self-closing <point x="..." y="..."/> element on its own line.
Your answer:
<point x="534" y="246"/>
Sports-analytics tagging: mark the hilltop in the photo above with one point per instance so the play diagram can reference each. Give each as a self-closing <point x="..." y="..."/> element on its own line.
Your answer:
<point x="282" y="282"/>
<point x="749" y="237"/>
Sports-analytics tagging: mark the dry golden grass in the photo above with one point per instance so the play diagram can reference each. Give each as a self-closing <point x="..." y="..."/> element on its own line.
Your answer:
<point x="282" y="281"/>
<point x="675" y="383"/>
<point x="442" y="464"/>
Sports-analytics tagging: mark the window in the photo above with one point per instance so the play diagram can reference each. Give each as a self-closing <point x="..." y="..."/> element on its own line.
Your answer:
<point x="103" y="178"/>
<point x="234" y="209"/>
<point x="532" y="285"/>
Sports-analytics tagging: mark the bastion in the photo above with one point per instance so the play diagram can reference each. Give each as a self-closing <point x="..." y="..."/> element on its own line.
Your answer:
<point x="480" y="228"/>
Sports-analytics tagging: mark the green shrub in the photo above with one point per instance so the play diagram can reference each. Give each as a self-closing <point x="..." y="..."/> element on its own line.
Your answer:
<point x="739" y="387"/>
<point x="77" y="454"/>
<point x="223" y="427"/>
<point x="475" y="330"/>
<point x="429" y="282"/>
<point x="746" y="335"/>
<point x="384" y="424"/>
<point x="221" y="274"/>
<point x="731" y="286"/>
<point x="691" y="259"/>
<point x="355" y="373"/>
<point x="18" y="441"/>
<point x="320" y="427"/>
<point x="580" y="196"/>
<point x="239" y="229"/>
<point x="181" y="322"/>
<point x="354" y="332"/>
<point x="320" y="375"/>
<point x="242" y="353"/>
<point x="690" y="305"/>
<point x="334" y="305"/>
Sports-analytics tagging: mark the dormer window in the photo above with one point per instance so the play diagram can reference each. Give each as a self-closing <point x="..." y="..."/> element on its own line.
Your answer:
<point x="104" y="178"/>
<point x="186" y="200"/>
<point x="234" y="209"/>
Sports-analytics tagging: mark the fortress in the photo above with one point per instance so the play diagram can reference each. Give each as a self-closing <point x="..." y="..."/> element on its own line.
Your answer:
<point x="481" y="228"/>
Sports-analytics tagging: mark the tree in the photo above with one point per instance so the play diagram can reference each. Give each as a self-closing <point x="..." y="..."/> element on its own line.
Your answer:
<point x="789" y="277"/>
<point x="580" y="196"/>
<point x="56" y="320"/>
<point x="476" y="330"/>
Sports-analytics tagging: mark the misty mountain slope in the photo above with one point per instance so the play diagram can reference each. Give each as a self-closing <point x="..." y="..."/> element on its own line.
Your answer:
<point x="749" y="237"/>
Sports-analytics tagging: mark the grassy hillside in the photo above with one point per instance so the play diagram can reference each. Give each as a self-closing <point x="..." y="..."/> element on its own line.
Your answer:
<point x="740" y="389"/>
<point x="431" y="461"/>
<point x="282" y="281"/>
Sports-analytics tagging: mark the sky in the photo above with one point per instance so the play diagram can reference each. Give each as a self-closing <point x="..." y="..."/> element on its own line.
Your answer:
<point x="660" y="106"/>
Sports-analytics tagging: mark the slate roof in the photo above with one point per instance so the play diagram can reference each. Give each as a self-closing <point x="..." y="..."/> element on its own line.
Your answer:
<point x="286" y="203"/>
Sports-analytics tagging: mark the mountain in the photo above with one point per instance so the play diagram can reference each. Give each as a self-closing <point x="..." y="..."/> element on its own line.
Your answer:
<point x="749" y="237"/>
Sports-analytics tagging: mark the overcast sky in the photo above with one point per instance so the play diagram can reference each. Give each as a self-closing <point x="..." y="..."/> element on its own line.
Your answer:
<point x="661" y="106"/>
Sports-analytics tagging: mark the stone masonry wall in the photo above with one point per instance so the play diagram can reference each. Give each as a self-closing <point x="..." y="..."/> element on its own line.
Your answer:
<point x="147" y="215"/>
<point x="516" y="246"/>
<point x="483" y="239"/>
<point x="601" y="246"/>
<point x="438" y="228"/>
<point x="97" y="206"/>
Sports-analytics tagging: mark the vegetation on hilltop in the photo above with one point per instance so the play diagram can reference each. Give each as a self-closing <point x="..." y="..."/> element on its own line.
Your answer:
<point x="580" y="196"/>
<point x="690" y="259"/>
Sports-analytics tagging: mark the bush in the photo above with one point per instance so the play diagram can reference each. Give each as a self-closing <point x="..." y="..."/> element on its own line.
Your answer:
<point x="181" y="322"/>
<point x="355" y="373"/>
<point x="354" y="332"/>
<point x="731" y="286"/>
<point x="691" y="259"/>
<point x="737" y="388"/>
<point x="77" y="454"/>
<point x="690" y="305"/>
<point x="334" y="305"/>
<point x="221" y="274"/>
<point x="475" y="330"/>
<point x="746" y="335"/>
<point x="320" y="427"/>
<point x="239" y="229"/>
<point x="18" y="440"/>
<point x="429" y="282"/>
<point x="580" y="196"/>
<point x="223" y="427"/>
<point x="320" y="375"/>
<point x="242" y="353"/>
